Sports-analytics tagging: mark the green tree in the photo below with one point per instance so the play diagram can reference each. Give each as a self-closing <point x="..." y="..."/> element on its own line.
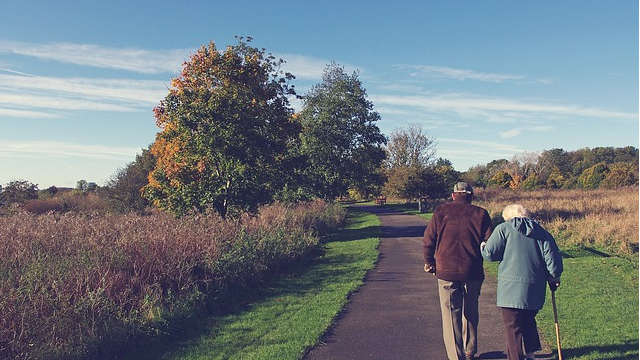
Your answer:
<point x="550" y="160"/>
<point x="226" y="124"/>
<point x="628" y="154"/>
<point x="593" y="176"/>
<point x="555" y="180"/>
<point x="18" y="191"/>
<point x="426" y="182"/>
<point x="621" y="174"/>
<point x="124" y="188"/>
<point x="604" y="154"/>
<point x="444" y="169"/>
<point x="475" y="176"/>
<point x="340" y="137"/>
<point x="530" y="183"/>
<point x="500" y="179"/>
<point x="397" y="180"/>
<point x="81" y="185"/>
<point x="571" y="183"/>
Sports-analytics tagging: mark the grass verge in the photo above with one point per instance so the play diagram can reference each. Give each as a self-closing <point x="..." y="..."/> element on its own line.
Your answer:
<point x="597" y="306"/>
<point x="285" y="319"/>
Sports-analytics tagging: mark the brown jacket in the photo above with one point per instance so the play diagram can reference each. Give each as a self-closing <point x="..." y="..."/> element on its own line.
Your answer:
<point x="452" y="240"/>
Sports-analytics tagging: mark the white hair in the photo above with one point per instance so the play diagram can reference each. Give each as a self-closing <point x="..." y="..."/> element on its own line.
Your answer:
<point x="514" y="210"/>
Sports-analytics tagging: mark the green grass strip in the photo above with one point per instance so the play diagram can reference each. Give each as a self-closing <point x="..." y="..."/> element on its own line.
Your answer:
<point x="296" y="309"/>
<point x="597" y="308"/>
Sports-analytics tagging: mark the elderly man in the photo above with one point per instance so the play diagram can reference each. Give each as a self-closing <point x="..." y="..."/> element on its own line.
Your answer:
<point x="452" y="252"/>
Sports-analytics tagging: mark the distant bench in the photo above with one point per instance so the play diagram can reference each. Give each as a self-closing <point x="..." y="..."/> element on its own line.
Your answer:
<point x="381" y="200"/>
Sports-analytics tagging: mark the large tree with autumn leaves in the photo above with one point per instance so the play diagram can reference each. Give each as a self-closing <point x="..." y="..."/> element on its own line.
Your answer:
<point x="225" y="126"/>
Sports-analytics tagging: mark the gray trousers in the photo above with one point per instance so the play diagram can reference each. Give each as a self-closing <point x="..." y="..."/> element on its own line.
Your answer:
<point x="459" y="307"/>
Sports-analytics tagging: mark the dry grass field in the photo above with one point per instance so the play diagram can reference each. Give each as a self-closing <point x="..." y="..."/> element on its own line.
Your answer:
<point x="604" y="219"/>
<point x="78" y="285"/>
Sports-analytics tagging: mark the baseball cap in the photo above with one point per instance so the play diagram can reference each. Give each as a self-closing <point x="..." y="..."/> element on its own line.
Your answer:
<point x="462" y="187"/>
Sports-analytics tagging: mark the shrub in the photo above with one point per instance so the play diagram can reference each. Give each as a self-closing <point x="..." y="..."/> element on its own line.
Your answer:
<point x="77" y="285"/>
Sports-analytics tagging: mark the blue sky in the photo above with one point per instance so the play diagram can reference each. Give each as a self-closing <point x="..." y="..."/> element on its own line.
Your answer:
<point x="487" y="80"/>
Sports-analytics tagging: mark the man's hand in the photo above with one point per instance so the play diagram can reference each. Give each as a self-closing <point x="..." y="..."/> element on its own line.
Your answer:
<point x="429" y="269"/>
<point x="554" y="283"/>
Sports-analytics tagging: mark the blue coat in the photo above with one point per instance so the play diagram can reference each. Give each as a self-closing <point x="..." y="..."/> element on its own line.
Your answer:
<point x="528" y="256"/>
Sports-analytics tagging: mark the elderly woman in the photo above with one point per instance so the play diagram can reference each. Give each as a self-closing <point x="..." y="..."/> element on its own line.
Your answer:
<point x="529" y="258"/>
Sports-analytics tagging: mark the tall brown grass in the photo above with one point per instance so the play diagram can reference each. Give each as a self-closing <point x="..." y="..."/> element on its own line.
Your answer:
<point x="605" y="219"/>
<point x="72" y="285"/>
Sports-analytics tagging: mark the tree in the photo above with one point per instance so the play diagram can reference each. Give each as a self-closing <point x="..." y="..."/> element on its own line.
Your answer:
<point x="554" y="159"/>
<point x="593" y="176"/>
<point x="530" y="183"/>
<point x="555" y="180"/>
<point x="621" y="174"/>
<point x="501" y="179"/>
<point x="426" y="182"/>
<point x="340" y="138"/>
<point x="494" y="167"/>
<point x="81" y="185"/>
<point x="226" y="124"/>
<point x="124" y="189"/>
<point x="627" y="154"/>
<point x="444" y="169"/>
<point x="18" y="191"/>
<point x="52" y="190"/>
<point x="409" y="147"/>
<point x="475" y="176"/>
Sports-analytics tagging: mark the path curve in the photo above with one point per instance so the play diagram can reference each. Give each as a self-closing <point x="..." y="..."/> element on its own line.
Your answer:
<point x="396" y="313"/>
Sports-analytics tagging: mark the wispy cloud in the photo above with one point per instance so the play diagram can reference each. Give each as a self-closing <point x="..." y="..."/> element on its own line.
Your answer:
<point x="14" y="72"/>
<point x="457" y="74"/>
<point x="461" y="104"/>
<point x="130" y="59"/>
<point x="25" y="95"/>
<point x="518" y="131"/>
<point x="144" y="60"/>
<point x="131" y="91"/>
<point x="510" y="133"/>
<point x="28" y="101"/>
<point x="55" y="149"/>
<point x="27" y="114"/>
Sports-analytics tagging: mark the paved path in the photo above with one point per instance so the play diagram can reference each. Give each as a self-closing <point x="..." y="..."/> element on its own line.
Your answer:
<point x="396" y="314"/>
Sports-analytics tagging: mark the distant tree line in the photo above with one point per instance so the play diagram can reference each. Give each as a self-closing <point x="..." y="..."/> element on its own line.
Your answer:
<point x="586" y="168"/>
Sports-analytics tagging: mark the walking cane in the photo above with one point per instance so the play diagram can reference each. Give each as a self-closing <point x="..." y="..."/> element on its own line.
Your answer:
<point x="555" y="318"/>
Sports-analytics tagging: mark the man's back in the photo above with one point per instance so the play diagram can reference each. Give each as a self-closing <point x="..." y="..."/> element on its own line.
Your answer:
<point x="452" y="240"/>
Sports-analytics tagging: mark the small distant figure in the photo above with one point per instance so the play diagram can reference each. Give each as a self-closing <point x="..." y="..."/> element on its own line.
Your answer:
<point x="529" y="259"/>
<point x="452" y="253"/>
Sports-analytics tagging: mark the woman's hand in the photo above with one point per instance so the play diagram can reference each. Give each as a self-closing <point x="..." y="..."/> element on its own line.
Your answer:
<point x="428" y="268"/>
